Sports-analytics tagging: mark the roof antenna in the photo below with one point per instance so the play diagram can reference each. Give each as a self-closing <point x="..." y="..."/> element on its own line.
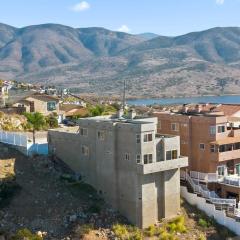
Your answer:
<point x="124" y="95"/>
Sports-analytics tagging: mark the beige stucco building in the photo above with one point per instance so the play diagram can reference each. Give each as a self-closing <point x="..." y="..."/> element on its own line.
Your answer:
<point x="133" y="168"/>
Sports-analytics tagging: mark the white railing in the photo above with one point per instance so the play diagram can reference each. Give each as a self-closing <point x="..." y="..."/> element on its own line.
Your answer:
<point x="213" y="198"/>
<point x="231" y="180"/>
<point x="205" y="177"/>
<point x="13" y="138"/>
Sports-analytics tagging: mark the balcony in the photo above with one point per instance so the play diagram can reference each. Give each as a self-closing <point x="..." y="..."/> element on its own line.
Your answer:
<point x="232" y="180"/>
<point x="162" y="166"/>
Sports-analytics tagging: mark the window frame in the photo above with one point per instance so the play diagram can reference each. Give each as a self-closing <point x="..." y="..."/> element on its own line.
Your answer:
<point x="148" y="137"/>
<point x="213" y="130"/>
<point x="138" y="138"/>
<point x="175" y="128"/>
<point x="138" y="159"/>
<point x="83" y="131"/>
<point x="202" y="144"/>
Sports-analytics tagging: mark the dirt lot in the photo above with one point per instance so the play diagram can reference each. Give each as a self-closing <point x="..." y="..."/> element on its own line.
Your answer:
<point x="49" y="201"/>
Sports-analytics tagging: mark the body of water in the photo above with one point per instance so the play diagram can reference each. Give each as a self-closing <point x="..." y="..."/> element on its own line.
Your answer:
<point x="206" y="99"/>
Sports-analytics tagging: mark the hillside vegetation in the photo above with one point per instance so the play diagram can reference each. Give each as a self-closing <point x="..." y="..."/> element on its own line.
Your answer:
<point x="96" y="60"/>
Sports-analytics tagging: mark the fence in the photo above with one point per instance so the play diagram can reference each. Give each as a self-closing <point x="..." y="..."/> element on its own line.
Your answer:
<point x="23" y="143"/>
<point x="219" y="215"/>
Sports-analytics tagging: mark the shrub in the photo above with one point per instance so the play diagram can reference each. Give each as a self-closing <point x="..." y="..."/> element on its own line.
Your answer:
<point x="202" y="237"/>
<point x="25" y="234"/>
<point x="150" y="231"/>
<point x="177" y="225"/>
<point x="84" y="229"/>
<point x="202" y="223"/>
<point x="120" y="231"/>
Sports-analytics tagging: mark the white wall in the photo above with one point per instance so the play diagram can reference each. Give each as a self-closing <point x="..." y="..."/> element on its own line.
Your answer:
<point x="210" y="210"/>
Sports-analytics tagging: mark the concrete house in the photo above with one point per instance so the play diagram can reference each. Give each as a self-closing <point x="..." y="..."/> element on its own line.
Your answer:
<point x="134" y="169"/>
<point x="210" y="137"/>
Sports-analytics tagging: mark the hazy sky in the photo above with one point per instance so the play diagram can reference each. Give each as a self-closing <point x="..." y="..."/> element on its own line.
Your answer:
<point x="165" y="17"/>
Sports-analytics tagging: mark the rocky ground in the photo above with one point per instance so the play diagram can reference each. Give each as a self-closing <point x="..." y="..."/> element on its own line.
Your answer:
<point x="48" y="201"/>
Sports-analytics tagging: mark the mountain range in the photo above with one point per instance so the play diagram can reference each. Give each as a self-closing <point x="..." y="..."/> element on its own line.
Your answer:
<point x="97" y="60"/>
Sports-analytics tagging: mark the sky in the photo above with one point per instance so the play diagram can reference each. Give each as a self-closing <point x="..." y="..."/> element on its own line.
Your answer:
<point x="164" y="17"/>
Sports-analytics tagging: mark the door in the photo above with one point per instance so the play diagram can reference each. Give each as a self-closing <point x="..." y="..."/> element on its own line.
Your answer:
<point x="237" y="167"/>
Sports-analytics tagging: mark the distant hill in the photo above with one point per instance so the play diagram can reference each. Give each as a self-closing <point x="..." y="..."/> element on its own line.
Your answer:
<point x="148" y="36"/>
<point x="96" y="60"/>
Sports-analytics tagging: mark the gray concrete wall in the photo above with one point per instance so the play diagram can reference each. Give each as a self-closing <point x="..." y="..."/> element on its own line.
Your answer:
<point x="138" y="195"/>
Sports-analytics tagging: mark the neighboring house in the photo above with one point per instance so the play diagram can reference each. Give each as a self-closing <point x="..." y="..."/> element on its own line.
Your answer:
<point x="73" y="110"/>
<point x="42" y="103"/>
<point x="210" y="137"/>
<point x="132" y="168"/>
<point x="4" y="90"/>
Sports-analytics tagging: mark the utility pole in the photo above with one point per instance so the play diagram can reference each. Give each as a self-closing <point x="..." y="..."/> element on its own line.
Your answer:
<point x="124" y="95"/>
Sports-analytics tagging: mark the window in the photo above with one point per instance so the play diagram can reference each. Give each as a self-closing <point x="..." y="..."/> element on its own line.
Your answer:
<point x="148" y="137"/>
<point x="138" y="138"/>
<point x="221" y="170"/>
<point x="212" y="148"/>
<point x="202" y="146"/>
<point x="159" y="124"/>
<point x="221" y="129"/>
<point x="127" y="156"/>
<point x="148" y="158"/>
<point x="236" y="146"/>
<point x="173" y="154"/>
<point x="101" y="135"/>
<point x="212" y="130"/>
<point x="138" y="158"/>
<point x="175" y="126"/>
<point x="85" y="150"/>
<point x="51" y="106"/>
<point x="83" y="131"/>
<point x="222" y="148"/>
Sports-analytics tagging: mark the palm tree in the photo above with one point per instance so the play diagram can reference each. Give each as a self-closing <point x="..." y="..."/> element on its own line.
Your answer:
<point x="36" y="120"/>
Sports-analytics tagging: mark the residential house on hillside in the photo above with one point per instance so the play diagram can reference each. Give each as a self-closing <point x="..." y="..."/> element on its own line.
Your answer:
<point x="210" y="137"/>
<point x="42" y="103"/>
<point x="143" y="167"/>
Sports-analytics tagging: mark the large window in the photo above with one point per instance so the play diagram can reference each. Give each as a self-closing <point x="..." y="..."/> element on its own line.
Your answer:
<point x="174" y="126"/>
<point x="148" y="158"/>
<point x="173" y="154"/>
<point x="212" y="130"/>
<point x="148" y="137"/>
<point x="83" y="131"/>
<point x="51" y="106"/>
<point x="221" y="128"/>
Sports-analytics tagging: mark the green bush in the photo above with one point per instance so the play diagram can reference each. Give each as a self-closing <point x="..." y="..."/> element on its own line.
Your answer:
<point x="120" y="231"/>
<point x="25" y="234"/>
<point x="202" y="223"/>
<point x="150" y="231"/>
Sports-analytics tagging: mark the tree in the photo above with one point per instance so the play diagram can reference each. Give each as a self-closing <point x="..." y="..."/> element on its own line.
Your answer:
<point x="36" y="121"/>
